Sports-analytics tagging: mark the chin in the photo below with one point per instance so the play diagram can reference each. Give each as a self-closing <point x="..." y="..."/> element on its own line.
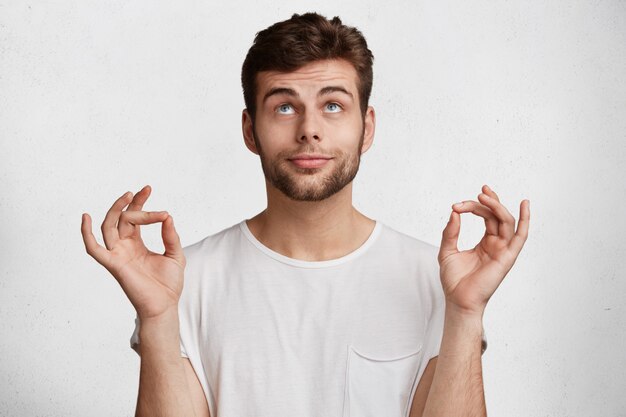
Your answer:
<point x="317" y="192"/>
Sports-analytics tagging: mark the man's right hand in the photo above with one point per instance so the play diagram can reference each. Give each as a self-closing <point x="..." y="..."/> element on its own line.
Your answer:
<point x="152" y="282"/>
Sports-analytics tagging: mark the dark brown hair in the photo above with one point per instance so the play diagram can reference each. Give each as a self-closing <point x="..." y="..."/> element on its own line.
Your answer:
<point x="293" y="43"/>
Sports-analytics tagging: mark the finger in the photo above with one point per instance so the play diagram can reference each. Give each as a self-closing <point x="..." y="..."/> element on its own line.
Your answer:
<point x="92" y="247"/>
<point x="138" y="218"/>
<point x="450" y="237"/>
<point x="504" y="217"/>
<point x="490" y="192"/>
<point x="140" y="199"/>
<point x="521" y="234"/>
<point x="125" y="229"/>
<point x="491" y="222"/>
<point x="109" y="225"/>
<point x="171" y="241"/>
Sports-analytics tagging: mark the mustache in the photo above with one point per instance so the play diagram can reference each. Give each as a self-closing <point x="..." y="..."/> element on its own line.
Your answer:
<point x="306" y="150"/>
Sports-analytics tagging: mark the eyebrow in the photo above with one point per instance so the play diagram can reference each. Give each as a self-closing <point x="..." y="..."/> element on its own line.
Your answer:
<point x="293" y="93"/>
<point x="334" y="89"/>
<point x="280" y="90"/>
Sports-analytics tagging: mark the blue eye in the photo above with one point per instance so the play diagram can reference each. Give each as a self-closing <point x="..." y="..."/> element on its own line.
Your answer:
<point x="285" y="109"/>
<point x="333" y="108"/>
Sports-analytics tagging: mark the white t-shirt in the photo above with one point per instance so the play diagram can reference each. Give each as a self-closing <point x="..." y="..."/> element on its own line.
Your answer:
<point x="271" y="336"/>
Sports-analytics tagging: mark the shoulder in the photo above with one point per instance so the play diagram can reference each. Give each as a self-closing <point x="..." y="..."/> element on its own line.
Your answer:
<point x="208" y="262"/>
<point x="416" y="256"/>
<point x="213" y="240"/>
<point x="213" y="246"/>
<point x="406" y="245"/>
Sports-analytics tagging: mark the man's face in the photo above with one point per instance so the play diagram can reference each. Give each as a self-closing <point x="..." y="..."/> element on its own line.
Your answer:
<point x="309" y="130"/>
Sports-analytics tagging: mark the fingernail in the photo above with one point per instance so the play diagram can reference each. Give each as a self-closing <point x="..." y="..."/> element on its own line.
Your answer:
<point x="458" y="204"/>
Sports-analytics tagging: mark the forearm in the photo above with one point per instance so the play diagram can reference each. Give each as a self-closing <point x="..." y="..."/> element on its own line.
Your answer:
<point x="163" y="389"/>
<point x="457" y="386"/>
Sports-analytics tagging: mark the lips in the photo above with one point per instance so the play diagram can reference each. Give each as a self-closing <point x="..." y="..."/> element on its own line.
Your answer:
<point x="310" y="160"/>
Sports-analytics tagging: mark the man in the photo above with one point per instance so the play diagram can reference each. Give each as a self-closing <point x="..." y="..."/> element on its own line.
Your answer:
<point x="309" y="308"/>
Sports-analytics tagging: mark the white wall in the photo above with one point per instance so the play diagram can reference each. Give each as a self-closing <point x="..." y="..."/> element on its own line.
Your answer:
<point x="97" y="98"/>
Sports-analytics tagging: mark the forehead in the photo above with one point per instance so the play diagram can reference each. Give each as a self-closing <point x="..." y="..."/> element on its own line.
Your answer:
<point x="313" y="76"/>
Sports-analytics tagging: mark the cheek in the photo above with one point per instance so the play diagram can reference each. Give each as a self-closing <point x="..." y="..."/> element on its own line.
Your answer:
<point x="272" y="138"/>
<point x="346" y="131"/>
<point x="271" y="124"/>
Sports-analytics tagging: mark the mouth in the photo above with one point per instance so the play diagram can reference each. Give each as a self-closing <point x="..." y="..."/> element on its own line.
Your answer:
<point x="310" y="160"/>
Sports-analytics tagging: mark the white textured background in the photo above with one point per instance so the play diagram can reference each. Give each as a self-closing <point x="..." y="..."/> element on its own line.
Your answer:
<point x="97" y="98"/>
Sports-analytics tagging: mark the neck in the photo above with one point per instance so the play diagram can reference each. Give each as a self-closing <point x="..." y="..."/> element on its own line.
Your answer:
<point x="311" y="230"/>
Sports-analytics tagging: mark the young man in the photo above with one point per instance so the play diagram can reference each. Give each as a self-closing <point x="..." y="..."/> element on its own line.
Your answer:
<point x="309" y="308"/>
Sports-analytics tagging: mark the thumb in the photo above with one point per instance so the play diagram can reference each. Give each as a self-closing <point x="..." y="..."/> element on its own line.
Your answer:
<point x="171" y="241"/>
<point x="450" y="237"/>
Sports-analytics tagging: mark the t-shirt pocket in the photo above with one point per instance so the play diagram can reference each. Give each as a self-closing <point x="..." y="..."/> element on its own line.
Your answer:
<point x="379" y="386"/>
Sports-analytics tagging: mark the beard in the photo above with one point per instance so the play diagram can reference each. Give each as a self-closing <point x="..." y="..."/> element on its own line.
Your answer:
<point x="307" y="184"/>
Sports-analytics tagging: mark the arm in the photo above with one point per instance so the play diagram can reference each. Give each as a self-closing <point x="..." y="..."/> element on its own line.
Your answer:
<point x="421" y="392"/>
<point x="198" y="399"/>
<point x="469" y="279"/>
<point x="153" y="283"/>
<point x="457" y="383"/>
<point x="165" y="384"/>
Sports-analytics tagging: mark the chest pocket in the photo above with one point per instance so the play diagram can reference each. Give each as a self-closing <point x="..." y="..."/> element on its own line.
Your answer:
<point x="378" y="387"/>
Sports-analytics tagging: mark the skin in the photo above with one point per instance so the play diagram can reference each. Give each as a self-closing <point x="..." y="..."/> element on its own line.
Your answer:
<point x="153" y="283"/>
<point x="469" y="278"/>
<point x="310" y="122"/>
<point x="309" y="119"/>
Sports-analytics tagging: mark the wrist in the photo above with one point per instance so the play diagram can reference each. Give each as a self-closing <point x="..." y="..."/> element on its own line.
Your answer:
<point x="463" y="329"/>
<point x="165" y="317"/>
<point x="463" y="317"/>
<point x="159" y="329"/>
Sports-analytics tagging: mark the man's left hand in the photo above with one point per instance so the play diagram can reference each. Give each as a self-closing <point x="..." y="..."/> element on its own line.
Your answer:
<point x="469" y="278"/>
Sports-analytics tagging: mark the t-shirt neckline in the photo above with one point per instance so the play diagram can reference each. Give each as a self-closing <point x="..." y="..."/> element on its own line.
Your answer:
<point x="311" y="264"/>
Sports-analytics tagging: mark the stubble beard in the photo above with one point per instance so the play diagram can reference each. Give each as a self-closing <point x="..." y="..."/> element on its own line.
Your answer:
<point x="306" y="184"/>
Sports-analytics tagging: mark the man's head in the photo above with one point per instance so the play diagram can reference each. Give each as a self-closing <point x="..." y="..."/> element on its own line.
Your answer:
<point x="291" y="44"/>
<point x="307" y="83"/>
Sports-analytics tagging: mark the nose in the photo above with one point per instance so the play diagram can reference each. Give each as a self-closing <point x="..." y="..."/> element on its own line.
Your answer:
<point x="310" y="127"/>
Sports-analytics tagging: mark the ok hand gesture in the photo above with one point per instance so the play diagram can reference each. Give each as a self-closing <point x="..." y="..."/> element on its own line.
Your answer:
<point x="469" y="278"/>
<point x="152" y="282"/>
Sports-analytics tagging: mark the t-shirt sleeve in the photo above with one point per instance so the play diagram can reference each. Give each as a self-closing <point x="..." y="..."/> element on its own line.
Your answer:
<point x="483" y="346"/>
<point x="434" y="325"/>
<point x="134" y="341"/>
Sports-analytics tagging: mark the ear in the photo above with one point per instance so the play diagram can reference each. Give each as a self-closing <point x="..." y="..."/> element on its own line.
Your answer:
<point x="369" y="126"/>
<point x="246" y="128"/>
